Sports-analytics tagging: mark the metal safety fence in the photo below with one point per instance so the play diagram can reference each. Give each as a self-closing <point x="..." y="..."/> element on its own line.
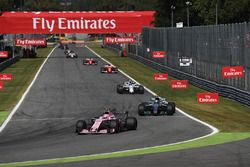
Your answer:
<point x="209" y="47"/>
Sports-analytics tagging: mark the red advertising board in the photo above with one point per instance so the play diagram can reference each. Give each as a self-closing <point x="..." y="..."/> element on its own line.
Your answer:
<point x="161" y="77"/>
<point x="31" y="42"/>
<point x="3" y="54"/>
<point x="113" y="40"/>
<point x="6" y="77"/>
<point x="55" y="22"/>
<point x="208" y="98"/>
<point x="158" y="54"/>
<point x="179" y="84"/>
<point x="1" y="85"/>
<point x="233" y="71"/>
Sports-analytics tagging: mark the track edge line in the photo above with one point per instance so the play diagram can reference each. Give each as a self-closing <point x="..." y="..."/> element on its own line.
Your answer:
<point x="25" y="93"/>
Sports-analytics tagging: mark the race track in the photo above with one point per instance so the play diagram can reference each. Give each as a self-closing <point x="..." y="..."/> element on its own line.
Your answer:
<point x="65" y="91"/>
<point x="235" y="154"/>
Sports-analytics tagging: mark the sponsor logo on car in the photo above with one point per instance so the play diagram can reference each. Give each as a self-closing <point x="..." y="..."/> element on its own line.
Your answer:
<point x="208" y="98"/>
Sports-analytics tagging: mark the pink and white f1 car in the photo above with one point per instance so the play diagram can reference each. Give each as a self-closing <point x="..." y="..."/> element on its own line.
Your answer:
<point x="108" y="122"/>
<point x="109" y="69"/>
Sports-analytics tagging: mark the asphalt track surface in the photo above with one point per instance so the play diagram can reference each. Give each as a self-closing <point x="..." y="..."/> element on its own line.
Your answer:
<point x="65" y="91"/>
<point x="234" y="154"/>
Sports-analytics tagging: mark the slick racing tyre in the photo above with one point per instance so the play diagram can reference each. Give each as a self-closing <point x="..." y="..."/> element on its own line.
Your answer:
<point x="141" y="89"/>
<point x="119" y="89"/>
<point x="102" y="70"/>
<point x="80" y="125"/>
<point x="141" y="109"/>
<point x="131" y="123"/>
<point x="170" y="108"/>
<point x="113" y="127"/>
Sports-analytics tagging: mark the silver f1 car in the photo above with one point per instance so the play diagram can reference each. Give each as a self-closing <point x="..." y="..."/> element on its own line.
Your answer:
<point x="70" y="54"/>
<point x="109" y="69"/>
<point x="130" y="87"/>
<point x="108" y="122"/>
<point x="156" y="106"/>
<point x="90" y="61"/>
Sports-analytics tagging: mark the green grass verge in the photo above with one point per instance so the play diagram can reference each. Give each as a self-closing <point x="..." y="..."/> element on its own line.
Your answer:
<point x="227" y="116"/>
<point x="209" y="141"/>
<point x="3" y="116"/>
<point x="23" y="73"/>
<point x="185" y="99"/>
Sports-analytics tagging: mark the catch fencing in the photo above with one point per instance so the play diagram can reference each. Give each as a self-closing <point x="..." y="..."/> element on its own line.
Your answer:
<point x="210" y="48"/>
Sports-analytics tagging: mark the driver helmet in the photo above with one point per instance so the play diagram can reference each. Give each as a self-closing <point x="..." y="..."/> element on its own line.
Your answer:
<point x="106" y="114"/>
<point x="157" y="99"/>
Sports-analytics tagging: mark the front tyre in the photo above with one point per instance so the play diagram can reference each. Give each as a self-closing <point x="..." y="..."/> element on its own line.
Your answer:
<point x="170" y="108"/>
<point x="119" y="89"/>
<point x="141" y="89"/>
<point x="80" y="125"/>
<point x="102" y="69"/>
<point x="141" y="109"/>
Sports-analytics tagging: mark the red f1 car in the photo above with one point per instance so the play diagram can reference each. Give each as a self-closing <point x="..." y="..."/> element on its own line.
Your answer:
<point x="90" y="61"/>
<point x="109" y="122"/>
<point x="109" y="69"/>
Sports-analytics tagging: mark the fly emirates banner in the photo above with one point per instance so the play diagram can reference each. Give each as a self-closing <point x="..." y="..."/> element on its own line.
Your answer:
<point x="74" y="22"/>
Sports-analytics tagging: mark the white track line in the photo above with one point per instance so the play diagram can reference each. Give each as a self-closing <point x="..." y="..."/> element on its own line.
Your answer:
<point x="25" y="94"/>
<point x="214" y="129"/>
<point x="41" y="119"/>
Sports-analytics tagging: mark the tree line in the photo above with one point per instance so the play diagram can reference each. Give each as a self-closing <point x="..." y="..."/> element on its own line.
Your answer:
<point x="201" y="12"/>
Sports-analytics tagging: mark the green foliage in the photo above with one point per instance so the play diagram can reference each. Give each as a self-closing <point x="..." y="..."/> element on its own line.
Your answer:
<point x="6" y="5"/>
<point x="45" y="5"/>
<point x="203" y="11"/>
<point x="229" y="11"/>
<point x="109" y="5"/>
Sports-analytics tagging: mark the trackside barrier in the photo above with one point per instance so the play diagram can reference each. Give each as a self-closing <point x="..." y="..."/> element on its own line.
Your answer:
<point x="8" y="62"/>
<point x="223" y="90"/>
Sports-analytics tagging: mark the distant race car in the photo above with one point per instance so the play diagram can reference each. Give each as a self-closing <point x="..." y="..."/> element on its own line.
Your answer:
<point x="109" y="122"/>
<point x="90" y="61"/>
<point x="130" y="87"/>
<point x="156" y="106"/>
<point x="70" y="54"/>
<point x="109" y="69"/>
<point x="63" y="46"/>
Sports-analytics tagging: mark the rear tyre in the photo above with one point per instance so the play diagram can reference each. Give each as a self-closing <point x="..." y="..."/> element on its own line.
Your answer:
<point x="80" y="125"/>
<point x="170" y="108"/>
<point x="131" y="123"/>
<point x="101" y="69"/>
<point x="119" y="89"/>
<point x="141" y="109"/>
<point x="141" y="89"/>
